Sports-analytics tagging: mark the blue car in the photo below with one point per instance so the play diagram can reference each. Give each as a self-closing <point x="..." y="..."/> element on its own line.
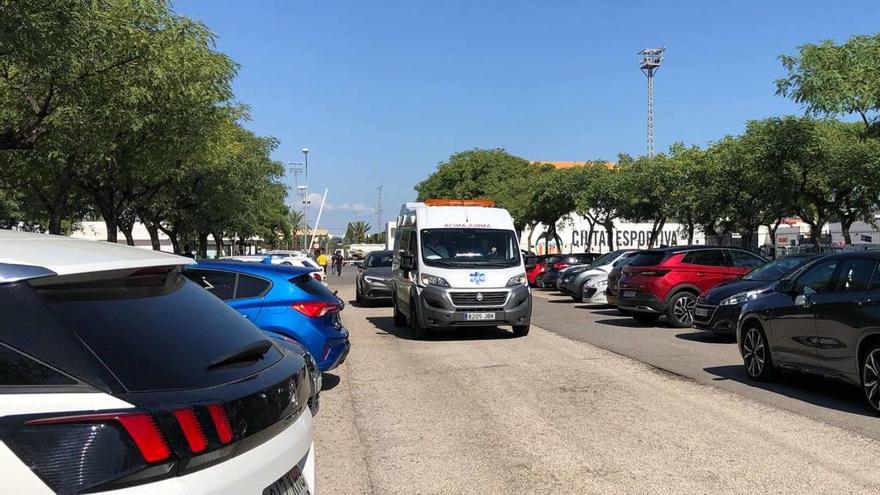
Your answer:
<point x="281" y="300"/>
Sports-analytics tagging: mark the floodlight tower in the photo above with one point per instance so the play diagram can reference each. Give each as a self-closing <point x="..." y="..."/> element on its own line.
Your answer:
<point x="650" y="60"/>
<point x="379" y="210"/>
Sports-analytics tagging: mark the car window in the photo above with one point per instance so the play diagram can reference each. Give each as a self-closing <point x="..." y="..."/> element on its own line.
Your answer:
<point x="855" y="275"/>
<point x="743" y="259"/>
<point x="708" y="257"/>
<point x="648" y="258"/>
<point x="817" y="279"/>
<point x="249" y="286"/>
<point x="217" y="282"/>
<point x="19" y="370"/>
<point x="379" y="260"/>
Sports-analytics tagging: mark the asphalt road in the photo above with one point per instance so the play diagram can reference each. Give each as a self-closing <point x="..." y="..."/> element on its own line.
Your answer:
<point x="477" y="411"/>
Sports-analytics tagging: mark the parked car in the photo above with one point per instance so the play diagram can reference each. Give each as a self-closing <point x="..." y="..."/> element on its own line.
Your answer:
<point x="373" y="280"/>
<point x="280" y="299"/>
<point x="567" y="273"/>
<point x="612" y="292"/>
<point x="535" y="266"/>
<point x="283" y="259"/>
<point x="823" y="319"/>
<point x="588" y="285"/>
<point x="667" y="281"/>
<point x="559" y="262"/>
<point x="118" y="374"/>
<point x="717" y="310"/>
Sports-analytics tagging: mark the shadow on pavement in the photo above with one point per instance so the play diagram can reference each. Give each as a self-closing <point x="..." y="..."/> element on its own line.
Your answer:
<point x="373" y="304"/>
<point x="707" y="337"/>
<point x="329" y="382"/>
<point x="385" y="325"/>
<point x="812" y="389"/>
<point x="608" y="312"/>
<point x="626" y="321"/>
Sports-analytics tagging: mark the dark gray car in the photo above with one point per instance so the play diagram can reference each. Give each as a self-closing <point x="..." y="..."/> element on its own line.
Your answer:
<point x="373" y="283"/>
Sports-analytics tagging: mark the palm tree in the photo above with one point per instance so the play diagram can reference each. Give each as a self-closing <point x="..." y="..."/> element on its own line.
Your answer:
<point x="296" y="222"/>
<point x="357" y="232"/>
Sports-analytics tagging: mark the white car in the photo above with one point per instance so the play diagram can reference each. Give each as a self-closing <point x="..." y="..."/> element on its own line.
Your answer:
<point x="284" y="259"/>
<point x="119" y="375"/>
<point x="588" y="284"/>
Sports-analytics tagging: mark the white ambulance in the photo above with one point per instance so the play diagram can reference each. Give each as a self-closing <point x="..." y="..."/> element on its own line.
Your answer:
<point x="457" y="263"/>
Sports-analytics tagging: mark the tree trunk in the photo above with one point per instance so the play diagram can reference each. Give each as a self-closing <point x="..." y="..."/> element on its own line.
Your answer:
<point x="110" y="222"/>
<point x="845" y="224"/>
<point x="690" y="232"/>
<point x="127" y="232"/>
<point x="55" y="222"/>
<point x="203" y="245"/>
<point x="531" y="233"/>
<point x="655" y="231"/>
<point x="153" y="230"/>
<point x="173" y="237"/>
<point x="221" y="248"/>
<point x="609" y="230"/>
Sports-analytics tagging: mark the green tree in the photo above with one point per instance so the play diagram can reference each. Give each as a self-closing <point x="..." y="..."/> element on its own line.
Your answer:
<point x="484" y="173"/>
<point x="834" y="79"/>
<point x="55" y="52"/>
<point x="553" y="199"/>
<point x="645" y="186"/>
<point x="357" y="232"/>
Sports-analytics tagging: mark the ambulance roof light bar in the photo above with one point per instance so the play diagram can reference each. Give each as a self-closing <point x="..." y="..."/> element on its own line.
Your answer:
<point x="486" y="203"/>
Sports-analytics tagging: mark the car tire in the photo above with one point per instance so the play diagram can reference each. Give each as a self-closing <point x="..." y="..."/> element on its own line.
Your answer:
<point x="418" y="331"/>
<point x="581" y="292"/>
<point x="399" y="318"/>
<point x="645" y="318"/>
<point x="680" y="310"/>
<point x="357" y="295"/>
<point x="521" y="330"/>
<point x="756" y="355"/>
<point x="870" y="367"/>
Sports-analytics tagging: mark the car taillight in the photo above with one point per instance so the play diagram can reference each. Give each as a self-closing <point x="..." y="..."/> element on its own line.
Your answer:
<point x="315" y="309"/>
<point x="560" y="265"/>
<point x="221" y="422"/>
<point x="192" y="430"/>
<point x="317" y="276"/>
<point x="101" y="451"/>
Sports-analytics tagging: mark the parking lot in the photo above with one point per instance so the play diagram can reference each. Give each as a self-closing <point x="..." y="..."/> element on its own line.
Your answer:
<point x="565" y="410"/>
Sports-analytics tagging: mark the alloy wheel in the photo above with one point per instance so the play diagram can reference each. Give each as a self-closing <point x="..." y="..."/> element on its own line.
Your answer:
<point x="754" y="352"/>
<point x="871" y="379"/>
<point x="684" y="309"/>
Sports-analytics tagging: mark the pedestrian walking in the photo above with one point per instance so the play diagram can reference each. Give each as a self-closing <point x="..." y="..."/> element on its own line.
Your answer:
<point x="322" y="260"/>
<point x="337" y="263"/>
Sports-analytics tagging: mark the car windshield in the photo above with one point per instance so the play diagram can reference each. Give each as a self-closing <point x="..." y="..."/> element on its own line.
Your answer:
<point x="470" y="247"/>
<point x="606" y="258"/>
<point x="379" y="260"/>
<point x="775" y="270"/>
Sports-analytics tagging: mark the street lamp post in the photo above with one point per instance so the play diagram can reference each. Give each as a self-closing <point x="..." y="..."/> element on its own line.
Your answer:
<point x="296" y="168"/>
<point x="305" y="152"/>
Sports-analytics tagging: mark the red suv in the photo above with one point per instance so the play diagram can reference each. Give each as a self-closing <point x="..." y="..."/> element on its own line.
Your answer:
<point x="668" y="280"/>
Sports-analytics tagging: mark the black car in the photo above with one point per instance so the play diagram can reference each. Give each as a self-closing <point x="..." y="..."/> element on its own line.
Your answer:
<point x="717" y="309"/>
<point x="562" y="261"/>
<point x="373" y="282"/>
<point x="823" y="319"/>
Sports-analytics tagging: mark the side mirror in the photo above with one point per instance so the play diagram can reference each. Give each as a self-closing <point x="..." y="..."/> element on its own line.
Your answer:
<point x="407" y="262"/>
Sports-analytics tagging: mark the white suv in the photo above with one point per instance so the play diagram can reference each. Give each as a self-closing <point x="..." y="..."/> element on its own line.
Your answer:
<point x="118" y="374"/>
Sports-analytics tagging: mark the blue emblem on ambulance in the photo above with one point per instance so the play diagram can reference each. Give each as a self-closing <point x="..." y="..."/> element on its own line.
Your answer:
<point x="478" y="278"/>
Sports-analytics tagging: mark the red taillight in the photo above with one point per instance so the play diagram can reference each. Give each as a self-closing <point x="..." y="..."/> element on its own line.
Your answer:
<point x="221" y="422"/>
<point x="192" y="430"/>
<point x="317" y="276"/>
<point x="315" y="309"/>
<point x="560" y="265"/>
<point x="140" y="427"/>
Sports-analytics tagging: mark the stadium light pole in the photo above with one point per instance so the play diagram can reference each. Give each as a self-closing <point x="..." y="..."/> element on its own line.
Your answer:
<point x="650" y="60"/>
<point x="305" y="152"/>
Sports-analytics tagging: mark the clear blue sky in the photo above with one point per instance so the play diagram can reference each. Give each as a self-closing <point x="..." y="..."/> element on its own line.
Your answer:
<point x="381" y="91"/>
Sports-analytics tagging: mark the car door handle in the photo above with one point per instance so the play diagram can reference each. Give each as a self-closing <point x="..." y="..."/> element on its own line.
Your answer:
<point x="246" y="316"/>
<point x="863" y="302"/>
<point x="701" y="274"/>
